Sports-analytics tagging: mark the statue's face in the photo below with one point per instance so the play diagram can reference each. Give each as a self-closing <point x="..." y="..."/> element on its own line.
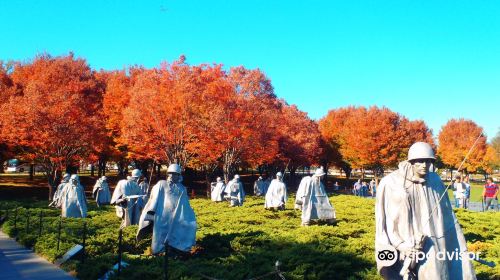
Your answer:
<point x="317" y="179"/>
<point x="421" y="167"/>
<point x="174" y="177"/>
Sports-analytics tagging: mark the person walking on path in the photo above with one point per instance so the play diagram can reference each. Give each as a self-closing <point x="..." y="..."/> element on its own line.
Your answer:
<point x="490" y="193"/>
<point x="459" y="188"/>
<point x="357" y="188"/>
<point x="373" y="187"/>
<point x="467" y="192"/>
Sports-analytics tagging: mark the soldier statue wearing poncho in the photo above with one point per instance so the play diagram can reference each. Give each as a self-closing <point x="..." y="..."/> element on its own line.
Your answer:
<point x="413" y="220"/>
<point x="259" y="187"/>
<point x="60" y="187"/>
<point x="312" y="198"/>
<point x="72" y="199"/>
<point x="101" y="191"/>
<point x="276" y="195"/>
<point x="217" y="190"/>
<point x="234" y="192"/>
<point x="169" y="215"/>
<point x="126" y="199"/>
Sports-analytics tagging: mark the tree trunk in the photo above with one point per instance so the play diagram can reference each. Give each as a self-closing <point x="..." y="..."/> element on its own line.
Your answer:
<point x="347" y="169"/>
<point x="99" y="169"/>
<point x="53" y="178"/>
<point x="325" y="168"/>
<point x="207" y="181"/>
<point x="122" y="172"/>
<point x="32" y="171"/>
<point x="92" y="169"/>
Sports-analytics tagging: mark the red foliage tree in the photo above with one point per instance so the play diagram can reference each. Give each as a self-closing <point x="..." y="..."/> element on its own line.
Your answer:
<point x="456" y="138"/>
<point x="299" y="139"/>
<point x="115" y="99"/>
<point x="53" y="119"/>
<point x="7" y="90"/>
<point x="411" y="132"/>
<point x="373" y="138"/>
<point x="250" y="133"/>
<point x="331" y="128"/>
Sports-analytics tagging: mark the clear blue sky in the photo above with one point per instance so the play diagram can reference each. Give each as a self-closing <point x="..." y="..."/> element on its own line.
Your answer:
<point x="430" y="60"/>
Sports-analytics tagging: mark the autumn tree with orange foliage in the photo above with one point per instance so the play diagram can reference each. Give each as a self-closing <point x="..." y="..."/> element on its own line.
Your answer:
<point x="251" y="134"/>
<point x="331" y="127"/>
<point x="491" y="160"/>
<point x="411" y="132"/>
<point x="493" y="154"/>
<point x="371" y="138"/>
<point x="53" y="117"/>
<point x="7" y="89"/>
<point x="159" y="122"/>
<point x="456" y="138"/>
<point x="116" y="98"/>
<point x="299" y="139"/>
<point x="201" y="116"/>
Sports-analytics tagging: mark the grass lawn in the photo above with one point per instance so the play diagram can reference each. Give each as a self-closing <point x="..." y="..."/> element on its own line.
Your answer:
<point x="240" y="243"/>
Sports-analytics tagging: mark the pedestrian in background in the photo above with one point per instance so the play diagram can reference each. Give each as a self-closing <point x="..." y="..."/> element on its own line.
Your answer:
<point x="490" y="193"/>
<point x="467" y="192"/>
<point x="459" y="188"/>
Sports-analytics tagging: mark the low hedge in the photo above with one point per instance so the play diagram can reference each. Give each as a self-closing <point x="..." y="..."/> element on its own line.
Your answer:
<point x="238" y="243"/>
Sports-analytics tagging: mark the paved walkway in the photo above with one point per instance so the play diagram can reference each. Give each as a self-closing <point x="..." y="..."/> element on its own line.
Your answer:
<point x="476" y="206"/>
<point x="17" y="263"/>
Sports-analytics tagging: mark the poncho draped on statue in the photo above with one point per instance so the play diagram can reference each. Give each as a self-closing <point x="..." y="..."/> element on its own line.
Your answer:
<point x="276" y="195"/>
<point x="260" y="187"/>
<point x="57" y="194"/>
<point x="404" y="204"/>
<point x="172" y="216"/>
<point x="217" y="192"/>
<point x="144" y="188"/>
<point x="129" y="209"/>
<point x="235" y="192"/>
<point x="314" y="200"/>
<point x="101" y="192"/>
<point x="72" y="201"/>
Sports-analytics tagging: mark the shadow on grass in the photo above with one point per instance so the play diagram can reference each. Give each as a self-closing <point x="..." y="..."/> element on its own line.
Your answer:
<point x="474" y="237"/>
<point x="251" y="254"/>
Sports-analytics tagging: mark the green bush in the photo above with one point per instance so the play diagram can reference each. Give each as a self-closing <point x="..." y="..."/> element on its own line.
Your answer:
<point x="242" y="242"/>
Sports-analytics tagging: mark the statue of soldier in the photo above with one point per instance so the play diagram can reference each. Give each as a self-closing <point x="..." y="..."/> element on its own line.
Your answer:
<point x="72" y="199"/>
<point x="276" y="195"/>
<point x="126" y="199"/>
<point x="235" y="192"/>
<point x="416" y="224"/>
<point x="312" y="198"/>
<point x="169" y="215"/>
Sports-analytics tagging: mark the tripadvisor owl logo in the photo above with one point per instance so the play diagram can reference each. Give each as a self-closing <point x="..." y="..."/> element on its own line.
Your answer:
<point x="386" y="255"/>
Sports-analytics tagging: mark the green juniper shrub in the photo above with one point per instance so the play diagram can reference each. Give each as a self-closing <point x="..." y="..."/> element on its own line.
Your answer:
<point x="241" y="242"/>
